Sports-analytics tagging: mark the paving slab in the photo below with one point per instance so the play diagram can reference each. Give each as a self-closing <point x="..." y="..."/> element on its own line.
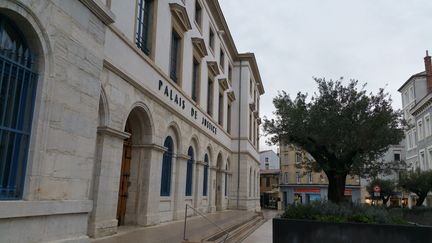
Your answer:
<point x="264" y="233"/>
<point x="172" y="232"/>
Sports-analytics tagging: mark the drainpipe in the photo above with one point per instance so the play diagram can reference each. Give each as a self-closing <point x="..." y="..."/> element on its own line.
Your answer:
<point x="238" y="151"/>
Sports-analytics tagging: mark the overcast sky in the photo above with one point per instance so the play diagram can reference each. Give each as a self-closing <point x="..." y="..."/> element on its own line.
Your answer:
<point x="379" y="42"/>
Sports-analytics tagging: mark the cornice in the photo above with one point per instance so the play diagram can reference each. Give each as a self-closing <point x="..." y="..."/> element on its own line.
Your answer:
<point x="231" y="95"/>
<point x="222" y="25"/>
<point x="422" y="105"/>
<point x="179" y="14"/>
<point x="250" y="58"/>
<point x="113" y="132"/>
<point x="213" y="67"/>
<point x="223" y="82"/>
<point x="199" y="46"/>
<point x="151" y="146"/>
<point x="183" y="156"/>
<point x="252" y="106"/>
<point x="259" y="121"/>
<point x="100" y="10"/>
<point x="256" y="114"/>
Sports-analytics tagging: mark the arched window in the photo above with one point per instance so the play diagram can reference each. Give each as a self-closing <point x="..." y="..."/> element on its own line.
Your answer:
<point x="205" y="177"/>
<point x="189" y="172"/>
<point x="18" y="82"/>
<point x="226" y="179"/>
<point x="166" y="167"/>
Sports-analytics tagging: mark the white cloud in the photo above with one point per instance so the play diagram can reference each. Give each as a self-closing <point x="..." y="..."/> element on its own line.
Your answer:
<point x="381" y="42"/>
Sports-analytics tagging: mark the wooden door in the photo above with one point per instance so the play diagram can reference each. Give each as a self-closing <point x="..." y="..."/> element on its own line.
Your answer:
<point x="124" y="182"/>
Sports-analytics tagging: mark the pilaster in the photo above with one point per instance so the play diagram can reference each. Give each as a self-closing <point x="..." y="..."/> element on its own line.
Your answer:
<point x="103" y="218"/>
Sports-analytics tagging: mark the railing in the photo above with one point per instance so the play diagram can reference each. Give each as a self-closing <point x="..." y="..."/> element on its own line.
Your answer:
<point x="202" y="215"/>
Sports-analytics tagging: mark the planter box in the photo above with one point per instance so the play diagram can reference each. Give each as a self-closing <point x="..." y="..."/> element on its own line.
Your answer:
<point x="305" y="231"/>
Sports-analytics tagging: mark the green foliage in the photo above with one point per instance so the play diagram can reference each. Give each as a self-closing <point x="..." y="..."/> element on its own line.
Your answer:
<point x="418" y="215"/>
<point x="345" y="129"/>
<point x="388" y="188"/>
<point x="418" y="182"/>
<point x="342" y="213"/>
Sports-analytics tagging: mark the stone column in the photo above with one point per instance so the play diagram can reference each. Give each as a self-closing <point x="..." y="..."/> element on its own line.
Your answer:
<point x="103" y="218"/>
<point x="212" y="189"/>
<point x="197" y="180"/>
<point x="231" y="199"/>
<point x="149" y="196"/>
<point x="180" y="186"/>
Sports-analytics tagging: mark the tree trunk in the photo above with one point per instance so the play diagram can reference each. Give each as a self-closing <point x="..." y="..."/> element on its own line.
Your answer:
<point x="421" y="199"/>
<point x="336" y="187"/>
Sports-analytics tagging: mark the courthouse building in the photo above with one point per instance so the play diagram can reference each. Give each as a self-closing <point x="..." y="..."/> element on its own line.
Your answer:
<point x="120" y="113"/>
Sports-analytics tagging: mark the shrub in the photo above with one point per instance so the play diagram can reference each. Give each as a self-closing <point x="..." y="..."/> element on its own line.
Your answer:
<point x="330" y="212"/>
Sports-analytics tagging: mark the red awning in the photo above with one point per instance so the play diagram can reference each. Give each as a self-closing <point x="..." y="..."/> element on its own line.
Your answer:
<point x="315" y="190"/>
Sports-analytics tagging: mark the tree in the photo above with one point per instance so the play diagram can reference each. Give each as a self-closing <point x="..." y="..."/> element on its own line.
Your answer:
<point x="345" y="129"/>
<point x="418" y="182"/>
<point x="388" y="188"/>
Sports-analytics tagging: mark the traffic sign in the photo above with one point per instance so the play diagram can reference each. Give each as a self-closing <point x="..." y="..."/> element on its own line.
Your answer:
<point x="377" y="188"/>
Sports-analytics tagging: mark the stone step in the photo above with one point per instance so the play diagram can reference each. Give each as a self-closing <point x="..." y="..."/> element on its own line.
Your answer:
<point x="198" y="229"/>
<point x="236" y="232"/>
<point x="243" y="233"/>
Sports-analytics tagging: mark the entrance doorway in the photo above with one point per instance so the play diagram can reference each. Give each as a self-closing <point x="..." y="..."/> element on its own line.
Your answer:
<point x="124" y="179"/>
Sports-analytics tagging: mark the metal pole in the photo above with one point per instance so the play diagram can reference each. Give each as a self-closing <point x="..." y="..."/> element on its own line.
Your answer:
<point x="239" y="134"/>
<point x="184" y="228"/>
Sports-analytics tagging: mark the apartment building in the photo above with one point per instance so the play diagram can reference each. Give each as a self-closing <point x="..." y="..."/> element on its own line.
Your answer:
<point x="416" y="95"/>
<point x="269" y="159"/>
<point x="299" y="186"/>
<point x="120" y="113"/>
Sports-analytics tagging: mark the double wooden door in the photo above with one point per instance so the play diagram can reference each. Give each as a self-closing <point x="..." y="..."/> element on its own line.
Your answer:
<point x="124" y="182"/>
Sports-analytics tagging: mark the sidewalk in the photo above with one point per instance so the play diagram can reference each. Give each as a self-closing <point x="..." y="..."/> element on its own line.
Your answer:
<point x="172" y="232"/>
<point x="264" y="233"/>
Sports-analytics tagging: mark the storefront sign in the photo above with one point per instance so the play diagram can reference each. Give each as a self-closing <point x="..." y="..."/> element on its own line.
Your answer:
<point x="348" y="192"/>
<point x="307" y="190"/>
<point x="183" y="104"/>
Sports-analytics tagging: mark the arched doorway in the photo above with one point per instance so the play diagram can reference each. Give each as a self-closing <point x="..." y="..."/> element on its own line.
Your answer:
<point x="133" y="173"/>
<point x="219" y="183"/>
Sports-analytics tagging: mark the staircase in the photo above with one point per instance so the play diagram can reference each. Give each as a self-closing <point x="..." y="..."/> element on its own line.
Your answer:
<point x="236" y="232"/>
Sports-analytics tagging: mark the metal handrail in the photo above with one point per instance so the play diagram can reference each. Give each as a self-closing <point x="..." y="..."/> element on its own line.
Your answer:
<point x="202" y="215"/>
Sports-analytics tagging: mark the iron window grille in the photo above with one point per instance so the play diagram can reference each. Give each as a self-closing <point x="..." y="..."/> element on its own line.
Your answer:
<point x="175" y="53"/>
<point x="166" y="167"/>
<point x="18" y="83"/>
<point x="189" y="172"/>
<point x="205" y="177"/>
<point x="144" y="26"/>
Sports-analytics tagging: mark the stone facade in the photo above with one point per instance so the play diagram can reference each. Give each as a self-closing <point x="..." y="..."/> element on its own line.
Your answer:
<point x="269" y="160"/>
<point x="269" y="188"/>
<point x="98" y="93"/>
<point x="416" y="95"/>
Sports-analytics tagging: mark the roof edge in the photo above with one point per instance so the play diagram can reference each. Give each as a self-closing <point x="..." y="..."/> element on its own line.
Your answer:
<point x="420" y="74"/>
<point x="250" y="57"/>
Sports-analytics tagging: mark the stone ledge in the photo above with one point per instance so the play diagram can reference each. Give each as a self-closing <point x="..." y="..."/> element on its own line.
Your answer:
<point x="100" y="10"/>
<point x="113" y="132"/>
<point x="17" y="209"/>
